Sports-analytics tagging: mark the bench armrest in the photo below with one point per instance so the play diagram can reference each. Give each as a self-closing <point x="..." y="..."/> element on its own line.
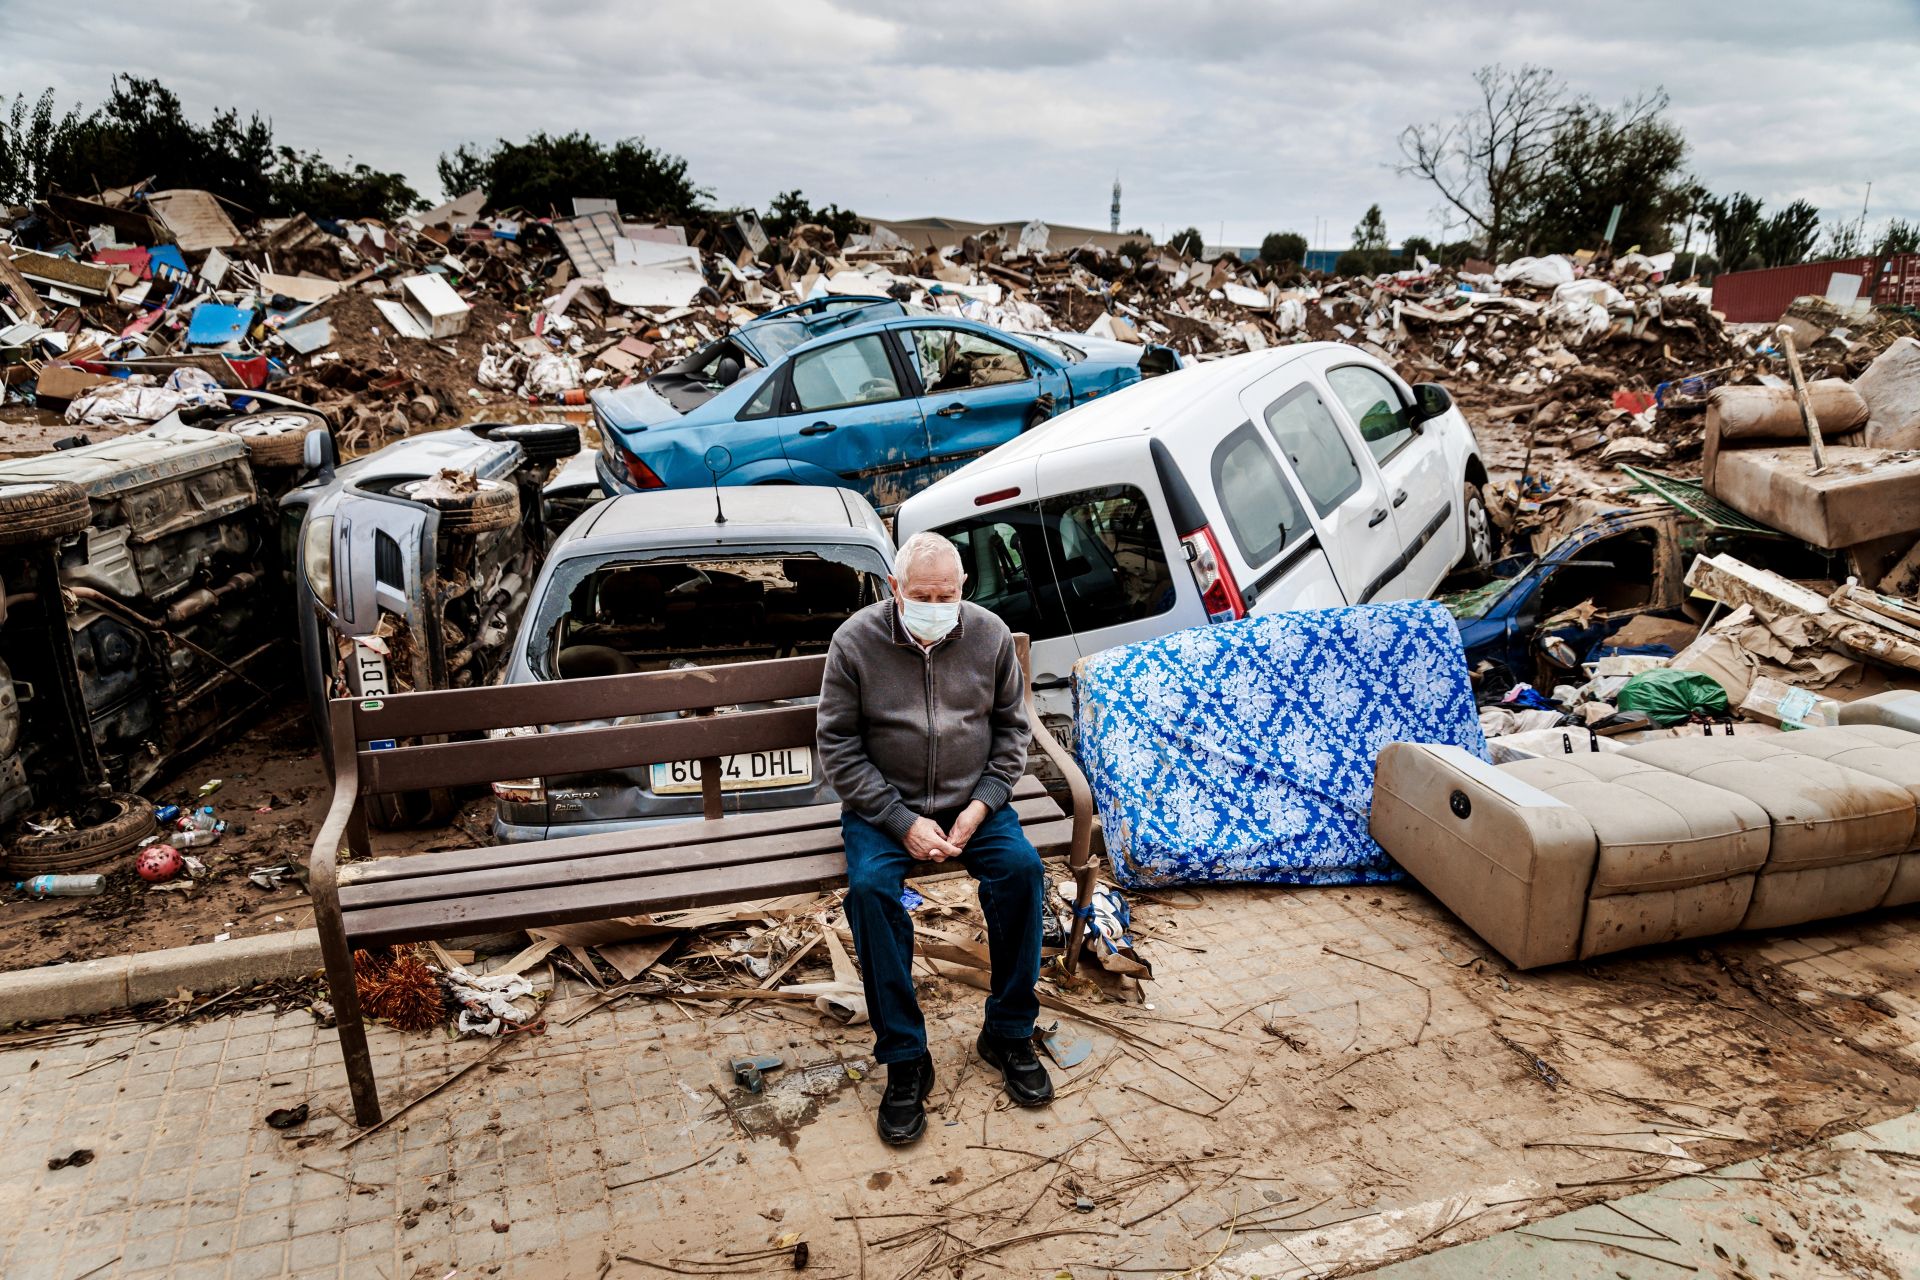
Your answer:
<point x="345" y="822"/>
<point x="1079" y="796"/>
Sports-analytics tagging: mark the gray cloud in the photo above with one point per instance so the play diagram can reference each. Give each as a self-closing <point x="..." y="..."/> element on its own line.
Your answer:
<point x="1246" y="117"/>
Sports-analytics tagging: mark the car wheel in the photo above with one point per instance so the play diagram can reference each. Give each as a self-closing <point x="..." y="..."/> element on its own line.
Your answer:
<point x="407" y="810"/>
<point x="1479" y="549"/>
<point x="542" y="442"/>
<point x="102" y="829"/>
<point x="42" y="511"/>
<point x="277" y="438"/>
<point x="491" y="504"/>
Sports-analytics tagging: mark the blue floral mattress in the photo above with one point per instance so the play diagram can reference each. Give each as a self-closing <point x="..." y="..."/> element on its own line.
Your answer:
<point x="1244" y="752"/>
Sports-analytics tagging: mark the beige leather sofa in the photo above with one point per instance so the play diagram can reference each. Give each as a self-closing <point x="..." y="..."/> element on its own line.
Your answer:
<point x="1565" y="857"/>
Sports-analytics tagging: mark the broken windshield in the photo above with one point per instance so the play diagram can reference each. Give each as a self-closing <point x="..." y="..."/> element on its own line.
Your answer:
<point x="640" y="613"/>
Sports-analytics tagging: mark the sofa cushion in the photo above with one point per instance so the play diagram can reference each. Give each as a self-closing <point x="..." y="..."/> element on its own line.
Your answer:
<point x="1797" y="895"/>
<point x="1890" y="754"/>
<point x="1665" y="915"/>
<point x="1823" y="814"/>
<point x="1657" y="830"/>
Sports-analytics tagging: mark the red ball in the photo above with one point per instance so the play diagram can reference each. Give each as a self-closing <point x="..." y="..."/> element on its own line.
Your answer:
<point x="159" y="862"/>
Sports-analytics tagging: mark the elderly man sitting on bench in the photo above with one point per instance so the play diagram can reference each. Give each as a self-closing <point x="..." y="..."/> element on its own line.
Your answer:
<point x="923" y="734"/>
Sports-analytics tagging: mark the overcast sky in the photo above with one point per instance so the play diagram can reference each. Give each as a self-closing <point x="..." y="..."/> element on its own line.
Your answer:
<point x="1252" y="117"/>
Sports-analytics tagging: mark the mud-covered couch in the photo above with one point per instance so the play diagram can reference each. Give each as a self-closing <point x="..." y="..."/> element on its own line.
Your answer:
<point x="1570" y="856"/>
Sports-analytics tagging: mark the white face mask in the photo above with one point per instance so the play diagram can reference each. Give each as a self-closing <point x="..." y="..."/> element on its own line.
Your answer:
<point x="926" y="622"/>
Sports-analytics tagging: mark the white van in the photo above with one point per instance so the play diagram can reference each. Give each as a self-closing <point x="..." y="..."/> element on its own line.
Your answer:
<point x="1302" y="477"/>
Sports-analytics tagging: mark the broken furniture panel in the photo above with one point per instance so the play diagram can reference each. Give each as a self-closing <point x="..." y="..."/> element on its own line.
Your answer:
<point x="1861" y="495"/>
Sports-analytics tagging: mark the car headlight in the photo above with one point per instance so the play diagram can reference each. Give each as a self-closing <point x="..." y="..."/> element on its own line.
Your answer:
<point x="316" y="557"/>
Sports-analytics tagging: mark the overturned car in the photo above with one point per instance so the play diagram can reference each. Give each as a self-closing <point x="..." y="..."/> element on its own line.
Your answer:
<point x="414" y="565"/>
<point x="144" y="614"/>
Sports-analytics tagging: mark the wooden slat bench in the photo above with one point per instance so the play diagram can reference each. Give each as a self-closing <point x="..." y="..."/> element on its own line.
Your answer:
<point x="435" y="896"/>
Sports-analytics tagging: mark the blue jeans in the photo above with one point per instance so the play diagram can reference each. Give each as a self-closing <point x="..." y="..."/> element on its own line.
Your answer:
<point x="1012" y="886"/>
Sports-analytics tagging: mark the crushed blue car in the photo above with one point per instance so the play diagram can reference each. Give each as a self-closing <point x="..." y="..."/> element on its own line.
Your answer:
<point x="866" y="394"/>
<point x="1621" y="565"/>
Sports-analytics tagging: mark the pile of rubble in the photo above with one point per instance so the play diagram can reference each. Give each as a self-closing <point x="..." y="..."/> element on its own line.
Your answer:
<point x="1570" y="359"/>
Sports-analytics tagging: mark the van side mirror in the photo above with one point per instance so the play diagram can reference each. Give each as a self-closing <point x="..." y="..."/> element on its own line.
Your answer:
<point x="1430" y="400"/>
<point x="317" y="452"/>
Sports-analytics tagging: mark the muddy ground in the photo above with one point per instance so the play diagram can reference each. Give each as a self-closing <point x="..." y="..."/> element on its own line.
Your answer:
<point x="273" y="793"/>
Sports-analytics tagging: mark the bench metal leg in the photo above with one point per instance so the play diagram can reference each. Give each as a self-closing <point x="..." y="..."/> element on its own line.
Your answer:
<point x="1085" y="879"/>
<point x="352" y="1030"/>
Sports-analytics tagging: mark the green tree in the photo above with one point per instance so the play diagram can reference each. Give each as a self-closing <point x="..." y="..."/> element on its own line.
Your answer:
<point x="1486" y="161"/>
<point x="308" y="182"/>
<point x="1628" y="156"/>
<point x="1534" y="167"/>
<point x="1454" y="253"/>
<point x="1788" y="236"/>
<point x="1370" y="233"/>
<point x="1418" y="246"/>
<point x="1189" y="242"/>
<point x="1842" y="240"/>
<point x="1282" y="247"/>
<point x="141" y="133"/>
<point x="28" y="136"/>
<point x="545" y="173"/>
<point x="1900" y="236"/>
<point x="790" y="209"/>
<point x="1734" y="223"/>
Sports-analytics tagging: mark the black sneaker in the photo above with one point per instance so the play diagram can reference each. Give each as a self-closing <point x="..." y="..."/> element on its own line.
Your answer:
<point x="1027" y="1081"/>
<point x="903" y="1109"/>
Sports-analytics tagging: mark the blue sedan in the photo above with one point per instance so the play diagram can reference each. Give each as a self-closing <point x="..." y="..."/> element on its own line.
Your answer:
<point x="873" y="396"/>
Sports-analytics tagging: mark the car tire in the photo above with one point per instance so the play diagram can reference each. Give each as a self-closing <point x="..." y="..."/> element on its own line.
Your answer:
<point x="410" y="810"/>
<point x="542" y="442"/>
<point x="277" y="437"/>
<point x="42" y="511"/>
<point x="1479" y="550"/>
<point x="493" y="504"/>
<point x="104" y="829"/>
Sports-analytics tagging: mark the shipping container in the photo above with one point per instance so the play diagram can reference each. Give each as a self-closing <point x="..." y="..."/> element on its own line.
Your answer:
<point x="1761" y="297"/>
<point x="1899" y="283"/>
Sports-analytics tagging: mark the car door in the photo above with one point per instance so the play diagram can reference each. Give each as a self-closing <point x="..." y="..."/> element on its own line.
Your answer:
<point x="1413" y="467"/>
<point x="1008" y="562"/>
<point x="850" y="419"/>
<point x="1349" y="502"/>
<point x="977" y="392"/>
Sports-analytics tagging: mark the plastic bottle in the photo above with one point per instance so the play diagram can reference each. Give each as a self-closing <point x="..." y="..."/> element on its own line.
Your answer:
<point x="64" y="886"/>
<point x="200" y="819"/>
<point x="193" y="838"/>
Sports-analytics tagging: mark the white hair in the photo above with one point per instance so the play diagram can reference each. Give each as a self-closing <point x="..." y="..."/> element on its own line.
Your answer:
<point x="922" y="546"/>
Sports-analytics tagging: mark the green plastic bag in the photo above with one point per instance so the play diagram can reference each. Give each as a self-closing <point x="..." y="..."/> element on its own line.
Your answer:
<point x="1669" y="696"/>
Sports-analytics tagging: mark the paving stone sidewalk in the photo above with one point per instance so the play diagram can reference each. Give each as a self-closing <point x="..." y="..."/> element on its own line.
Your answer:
<point x="1324" y="1080"/>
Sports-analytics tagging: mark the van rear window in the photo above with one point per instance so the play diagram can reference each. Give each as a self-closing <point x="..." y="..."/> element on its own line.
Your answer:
<point x="1259" y="504"/>
<point x="1070" y="563"/>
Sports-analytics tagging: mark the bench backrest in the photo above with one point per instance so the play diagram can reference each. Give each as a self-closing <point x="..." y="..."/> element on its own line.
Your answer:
<point x="369" y="730"/>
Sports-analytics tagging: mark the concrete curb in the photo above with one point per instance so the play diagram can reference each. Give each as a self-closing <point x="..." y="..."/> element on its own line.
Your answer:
<point x="120" y="982"/>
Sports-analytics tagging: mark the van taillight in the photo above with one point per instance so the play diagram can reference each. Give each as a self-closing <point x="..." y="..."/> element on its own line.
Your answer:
<point x="1218" y="591"/>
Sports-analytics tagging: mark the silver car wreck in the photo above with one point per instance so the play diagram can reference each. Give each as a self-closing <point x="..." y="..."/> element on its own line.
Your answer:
<point x="649" y="582"/>
<point x="414" y="564"/>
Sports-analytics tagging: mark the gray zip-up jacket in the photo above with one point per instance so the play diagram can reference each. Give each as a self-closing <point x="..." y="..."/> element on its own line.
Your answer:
<point x="906" y="731"/>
